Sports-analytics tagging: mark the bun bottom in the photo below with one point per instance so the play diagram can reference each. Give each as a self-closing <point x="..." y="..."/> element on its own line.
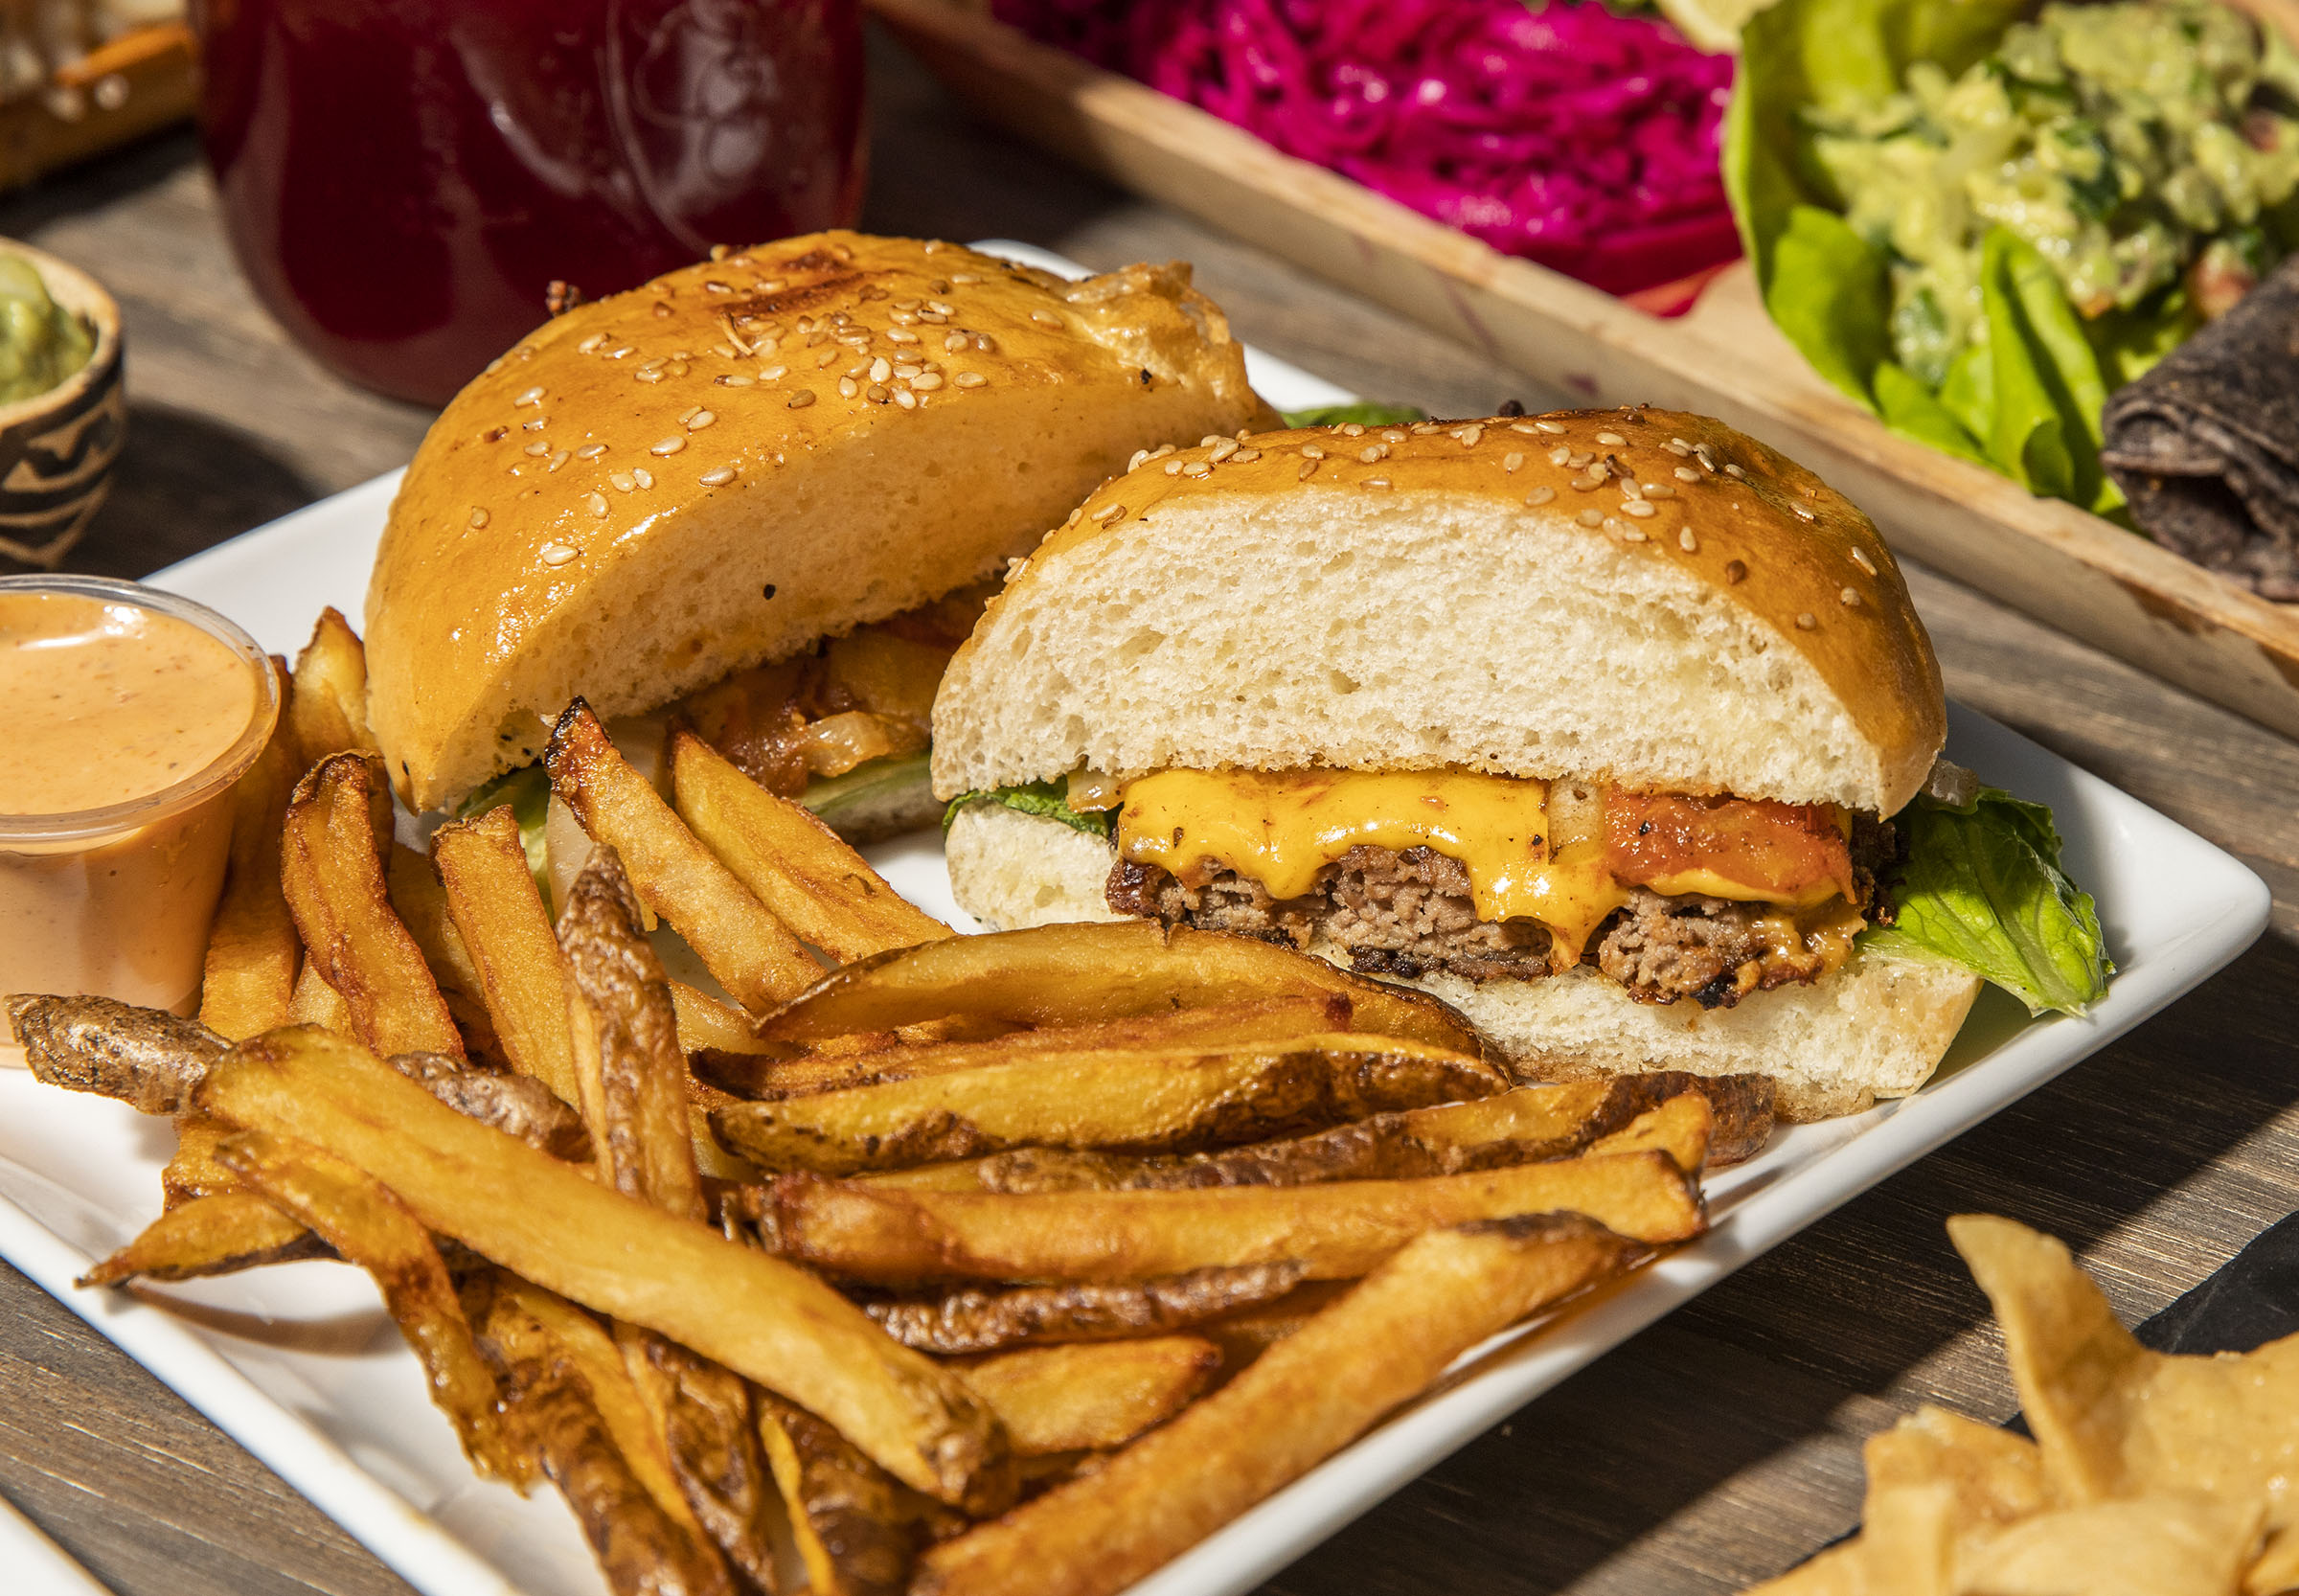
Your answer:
<point x="1876" y="1028"/>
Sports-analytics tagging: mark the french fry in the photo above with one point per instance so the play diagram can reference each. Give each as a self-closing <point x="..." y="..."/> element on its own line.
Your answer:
<point x="630" y="1509"/>
<point x="704" y="1022"/>
<point x="1336" y="1232"/>
<point x="805" y="873"/>
<point x="506" y="931"/>
<point x="314" y="1002"/>
<point x="704" y="1414"/>
<point x="148" y="1058"/>
<point x="1092" y="1396"/>
<point x="210" y="1235"/>
<point x="752" y="954"/>
<point x="1678" y="1128"/>
<point x="195" y="1172"/>
<point x="249" y="973"/>
<point x="543" y="1221"/>
<point x="627" y="1065"/>
<point x="977" y="1321"/>
<point x="512" y="1103"/>
<point x="331" y="864"/>
<point x="1393" y="1335"/>
<point x="1244" y="1336"/>
<point x="420" y="900"/>
<point x="1086" y="973"/>
<point x="1168" y="1102"/>
<point x="762" y="1070"/>
<point x="855" y="1531"/>
<point x="368" y="1226"/>
<point x="328" y="709"/>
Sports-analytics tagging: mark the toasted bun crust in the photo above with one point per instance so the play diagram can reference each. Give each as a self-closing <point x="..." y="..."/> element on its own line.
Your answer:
<point x="1874" y="1029"/>
<point x="1468" y="594"/>
<point x="520" y="568"/>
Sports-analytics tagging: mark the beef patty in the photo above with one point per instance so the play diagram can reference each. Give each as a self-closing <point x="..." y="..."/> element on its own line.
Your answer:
<point x="1410" y="912"/>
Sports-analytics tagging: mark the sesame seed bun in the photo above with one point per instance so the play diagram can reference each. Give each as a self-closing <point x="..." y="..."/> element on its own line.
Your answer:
<point x="673" y="484"/>
<point x="1488" y="595"/>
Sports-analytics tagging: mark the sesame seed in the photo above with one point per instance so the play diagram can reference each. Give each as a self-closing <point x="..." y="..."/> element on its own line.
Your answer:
<point x="596" y="503"/>
<point x="1309" y="470"/>
<point x="847" y="388"/>
<point x="1471" y="436"/>
<point x="669" y="445"/>
<point x="535" y="425"/>
<point x="900" y="336"/>
<point x="532" y="396"/>
<point x="646" y="477"/>
<point x="1376" y="482"/>
<point x="1391" y="435"/>
<point x="1371" y="452"/>
<point x="1639" y="509"/>
<point x="1352" y="429"/>
<point x="906" y="398"/>
<point x="718" y="478"/>
<point x="1685" y="473"/>
<point x="1808" y="622"/>
<point x="825" y="358"/>
<point x="876" y="393"/>
<point x="1135" y="463"/>
<point x="1686" y="541"/>
<point x="1198" y="470"/>
<point x="963" y="277"/>
<point x="1735" y="571"/>
<point x="479" y="517"/>
<point x="556" y="461"/>
<point x="1590" y="517"/>
<point x="1540" y="495"/>
<point x="590" y="451"/>
<point x="1849" y="598"/>
<point x="1658" y="491"/>
<point x="1551" y="428"/>
<point x="1110" y="512"/>
<point x="984" y="344"/>
<point x="953" y="342"/>
<point x="1512" y="462"/>
<point x="1172" y="467"/>
<point x="925" y="382"/>
<point x="558" y="554"/>
<point x="700" y="419"/>
<point x="1245" y="457"/>
<point x="1859" y="557"/>
<point x="1561" y="455"/>
<point x="908" y="369"/>
<point x="1578" y="458"/>
<point x="1734" y="470"/>
<point x="1588" y="479"/>
<point x="1611" y="439"/>
<point x="1209" y="439"/>
<point x="801" y="398"/>
<point x="773" y="374"/>
<point x="1311" y="452"/>
<point x="590" y="343"/>
<point x="1632" y="534"/>
<point x="626" y="350"/>
<point x="538" y="448"/>
<point x="647" y="377"/>
<point x="734" y="379"/>
<point x="1043" y="319"/>
<point x="1802" y="512"/>
<point x="624" y="481"/>
<point x="1678" y="447"/>
<point x="1630" y="489"/>
<point x="1223" y="450"/>
<point x="656" y="364"/>
<point x="969" y="379"/>
<point x="939" y="308"/>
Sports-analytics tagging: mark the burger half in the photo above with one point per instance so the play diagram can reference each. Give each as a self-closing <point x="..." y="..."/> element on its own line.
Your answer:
<point x="1613" y="729"/>
<point x="763" y="489"/>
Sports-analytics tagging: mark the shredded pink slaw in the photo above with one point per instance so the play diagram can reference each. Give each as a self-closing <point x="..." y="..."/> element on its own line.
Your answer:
<point x="1561" y="133"/>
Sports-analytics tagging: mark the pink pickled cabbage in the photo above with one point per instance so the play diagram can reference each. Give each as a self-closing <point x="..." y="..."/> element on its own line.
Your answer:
<point x="1564" y="134"/>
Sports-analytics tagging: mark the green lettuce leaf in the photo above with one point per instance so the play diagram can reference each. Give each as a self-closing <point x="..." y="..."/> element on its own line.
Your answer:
<point x="1982" y="887"/>
<point x="1914" y="411"/>
<point x="1363" y="412"/>
<point x="528" y="791"/>
<point x="1830" y="293"/>
<point x="1049" y="799"/>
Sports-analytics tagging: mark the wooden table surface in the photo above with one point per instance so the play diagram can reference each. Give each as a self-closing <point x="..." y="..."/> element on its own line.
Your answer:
<point x="1718" y="1446"/>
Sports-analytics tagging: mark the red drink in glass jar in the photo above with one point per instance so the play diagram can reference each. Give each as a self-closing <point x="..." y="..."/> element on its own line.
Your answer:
<point x="404" y="180"/>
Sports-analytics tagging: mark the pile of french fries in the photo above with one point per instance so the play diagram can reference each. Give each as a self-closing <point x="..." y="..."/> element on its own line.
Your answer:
<point x="899" y="1261"/>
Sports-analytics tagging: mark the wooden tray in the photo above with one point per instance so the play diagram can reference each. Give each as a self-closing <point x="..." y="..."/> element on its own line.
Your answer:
<point x="145" y="80"/>
<point x="2059" y="563"/>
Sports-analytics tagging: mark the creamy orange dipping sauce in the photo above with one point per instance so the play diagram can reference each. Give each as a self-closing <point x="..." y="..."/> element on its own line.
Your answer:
<point x="108" y="702"/>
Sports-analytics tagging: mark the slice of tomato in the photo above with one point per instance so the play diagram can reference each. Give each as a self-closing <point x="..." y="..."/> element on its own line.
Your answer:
<point x="1771" y="850"/>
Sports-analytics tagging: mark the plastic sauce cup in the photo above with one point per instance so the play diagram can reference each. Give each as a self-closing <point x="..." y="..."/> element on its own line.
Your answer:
<point x="143" y="708"/>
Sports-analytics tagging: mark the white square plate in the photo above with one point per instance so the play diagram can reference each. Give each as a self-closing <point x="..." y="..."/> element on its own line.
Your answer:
<point x="300" y="1366"/>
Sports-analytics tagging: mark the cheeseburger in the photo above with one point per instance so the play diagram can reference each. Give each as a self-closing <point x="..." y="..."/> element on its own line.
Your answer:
<point x="1592" y="725"/>
<point x="762" y="490"/>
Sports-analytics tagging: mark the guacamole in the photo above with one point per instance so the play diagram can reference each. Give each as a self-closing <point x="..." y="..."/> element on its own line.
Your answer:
<point x="2143" y="148"/>
<point x="41" y="343"/>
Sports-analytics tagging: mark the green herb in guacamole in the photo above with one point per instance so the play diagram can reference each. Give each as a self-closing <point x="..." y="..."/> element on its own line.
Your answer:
<point x="41" y="343"/>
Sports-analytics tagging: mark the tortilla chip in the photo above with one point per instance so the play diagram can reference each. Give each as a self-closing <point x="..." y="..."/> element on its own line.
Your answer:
<point x="1996" y="1478"/>
<point x="2277" y="1570"/>
<point x="2145" y="1546"/>
<point x="1909" y="1542"/>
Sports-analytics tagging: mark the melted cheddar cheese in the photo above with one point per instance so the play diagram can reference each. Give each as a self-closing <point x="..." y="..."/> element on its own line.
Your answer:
<point x="1282" y="829"/>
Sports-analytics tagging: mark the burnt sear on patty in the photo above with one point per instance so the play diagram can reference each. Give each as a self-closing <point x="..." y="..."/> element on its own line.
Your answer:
<point x="1409" y="913"/>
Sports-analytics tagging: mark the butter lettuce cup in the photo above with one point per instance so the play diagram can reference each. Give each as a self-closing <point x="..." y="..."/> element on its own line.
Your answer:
<point x="63" y="404"/>
<point x="132" y="712"/>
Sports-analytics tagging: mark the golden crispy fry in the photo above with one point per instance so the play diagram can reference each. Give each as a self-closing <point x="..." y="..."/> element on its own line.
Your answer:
<point x="855" y="1531"/>
<point x="976" y="1321"/>
<point x="1336" y="1232"/>
<point x="1244" y="1336"/>
<point x="554" y="1373"/>
<point x="753" y="955"/>
<point x="627" y="1067"/>
<point x="504" y="928"/>
<point x="1742" y="1106"/>
<point x="195" y="1170"/>
<point x="253" y="951"/>
<point x="420" y="901"/>
<point x="804" y="873"/>
<point x="148" y="1058"/>
<point x="705" y="1022"/>
<point x="543" y="1221"/>
<point x="368" y="1226"/>
<point x="762" y="1070"/>
<point x="1084" y="974"/>
<point x="210" y="1235"/>
<point x="1092" y="1396"/>
<point x="1678" y="1128"/>
<point x="327" y="710"/>
<point x="512" y="1103"/>
<point x="702" y="1414"/>
<point x="317" y="1003"/>
<point x="1180" y="1100"/>
<point x="1294" y="1406"/>
<point x="331" y="864"/>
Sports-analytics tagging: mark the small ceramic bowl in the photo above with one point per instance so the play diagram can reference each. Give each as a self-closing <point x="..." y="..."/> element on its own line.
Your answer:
<point x="57" y="449"/>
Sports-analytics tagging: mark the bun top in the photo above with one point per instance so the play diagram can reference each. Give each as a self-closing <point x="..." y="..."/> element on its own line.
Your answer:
<point x="1636" y="596"/>
<point x="717" y="469"/>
